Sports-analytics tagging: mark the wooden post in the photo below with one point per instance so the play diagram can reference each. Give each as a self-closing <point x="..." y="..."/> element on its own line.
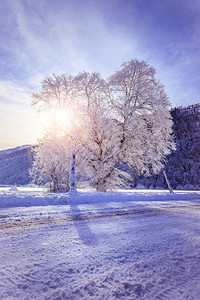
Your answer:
<point x="168" y="184"/>
<point x="72" y="169"/>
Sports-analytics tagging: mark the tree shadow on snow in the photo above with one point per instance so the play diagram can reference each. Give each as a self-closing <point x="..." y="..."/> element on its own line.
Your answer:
<point x="82" y="228"/>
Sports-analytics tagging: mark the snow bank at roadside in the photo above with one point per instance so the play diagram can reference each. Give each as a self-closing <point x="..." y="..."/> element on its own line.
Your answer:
<point x="19" y="197"/>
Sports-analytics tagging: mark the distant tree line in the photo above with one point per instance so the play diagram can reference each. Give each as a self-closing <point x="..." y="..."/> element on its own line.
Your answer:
<point x="183" y="167"/>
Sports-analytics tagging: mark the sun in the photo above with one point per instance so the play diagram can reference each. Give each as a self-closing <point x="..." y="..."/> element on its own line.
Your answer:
<point x="61" y="118"/>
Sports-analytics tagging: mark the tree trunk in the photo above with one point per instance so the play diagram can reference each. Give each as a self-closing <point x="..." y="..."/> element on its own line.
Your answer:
<point x="101" y="186"/>
<point x="54" y="187"/>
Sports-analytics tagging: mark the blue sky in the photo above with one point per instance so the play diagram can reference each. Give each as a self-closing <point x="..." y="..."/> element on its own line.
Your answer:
<point x="41" y="37"/>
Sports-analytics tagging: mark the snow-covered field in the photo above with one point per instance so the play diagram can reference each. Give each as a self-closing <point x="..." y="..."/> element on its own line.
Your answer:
<point x="117" y="245"/>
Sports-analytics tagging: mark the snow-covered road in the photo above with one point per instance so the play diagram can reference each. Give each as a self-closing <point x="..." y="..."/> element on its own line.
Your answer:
<point x="117" y="250"/>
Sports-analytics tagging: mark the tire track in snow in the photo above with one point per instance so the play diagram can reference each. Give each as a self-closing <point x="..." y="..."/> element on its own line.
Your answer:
<point x="76" y="218"/>
<point x="72" y="218"/>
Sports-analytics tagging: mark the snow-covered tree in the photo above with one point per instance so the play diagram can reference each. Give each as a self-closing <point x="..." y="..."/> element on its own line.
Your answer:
<point x="130" y="123"/>
<point x="51" y="161"/>
<point x="122" y="122"/>
<point x="141" y="107"/>
<point x="99" y="152"/>
<point x="98" y="147"/>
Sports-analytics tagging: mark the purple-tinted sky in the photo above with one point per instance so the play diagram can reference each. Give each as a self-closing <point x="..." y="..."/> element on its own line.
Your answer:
<point x="41" y="37"/>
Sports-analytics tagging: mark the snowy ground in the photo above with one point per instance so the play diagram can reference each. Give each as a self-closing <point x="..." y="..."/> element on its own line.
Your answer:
<point x="119" y="245"/>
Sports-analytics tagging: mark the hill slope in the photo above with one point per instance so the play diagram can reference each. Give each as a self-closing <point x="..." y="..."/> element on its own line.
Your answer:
<point x="183" y="168"/>
<point x="14" y="165"/>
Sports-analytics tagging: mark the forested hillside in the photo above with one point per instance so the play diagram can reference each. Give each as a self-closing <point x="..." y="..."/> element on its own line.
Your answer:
<point x="183" y="167"/>
<point x="14" y="166"/>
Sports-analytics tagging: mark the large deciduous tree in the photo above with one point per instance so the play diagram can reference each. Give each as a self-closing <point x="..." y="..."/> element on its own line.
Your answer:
<point x="100" y="148"/>
<point x="125" y="120"/>
<point x="141" y="106"/>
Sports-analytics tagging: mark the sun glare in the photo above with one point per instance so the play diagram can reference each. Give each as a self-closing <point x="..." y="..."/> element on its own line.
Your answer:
<point x="59" y="117"/>
<point x="62" y="118"/>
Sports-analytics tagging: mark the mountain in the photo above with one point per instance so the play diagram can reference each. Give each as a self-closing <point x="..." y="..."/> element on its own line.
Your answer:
<point x="182" y="169"/>
<point x="14" y="165"/>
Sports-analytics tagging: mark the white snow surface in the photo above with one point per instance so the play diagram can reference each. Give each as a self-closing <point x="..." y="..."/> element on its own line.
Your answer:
<point x="88" y="245"/>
